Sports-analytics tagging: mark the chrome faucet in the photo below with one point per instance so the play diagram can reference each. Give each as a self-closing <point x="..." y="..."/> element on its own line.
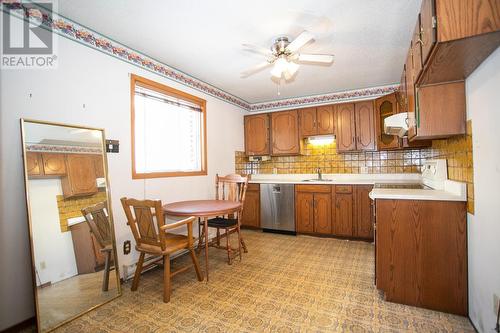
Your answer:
<point x="320" y="176"/>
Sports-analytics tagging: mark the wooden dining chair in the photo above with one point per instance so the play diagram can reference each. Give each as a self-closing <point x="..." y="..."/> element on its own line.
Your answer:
<point x="99" y="225"/>
<point x="231" y="187"/>
<point x="145" y="218"/>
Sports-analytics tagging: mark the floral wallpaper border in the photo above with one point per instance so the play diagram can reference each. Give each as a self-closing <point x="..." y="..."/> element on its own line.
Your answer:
<point x="85" y="36"/>
<point x="62" y="149"/>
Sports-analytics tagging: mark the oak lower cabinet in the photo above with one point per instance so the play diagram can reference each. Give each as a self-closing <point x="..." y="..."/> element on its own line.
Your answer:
<point x="251" y="207"/>
<point x="285" y="133"/>
<point x="344" y="211"/>
<point x="363" y="221"/>
<point x="88" y="256"/>
<point x="257" y="135"/>
<point x="80" y="178"/>
<point x="313" y="207"/>
<point x="421" y="256"/>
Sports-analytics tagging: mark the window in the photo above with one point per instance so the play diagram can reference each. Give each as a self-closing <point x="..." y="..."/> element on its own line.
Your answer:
<point x="168" y="131"/>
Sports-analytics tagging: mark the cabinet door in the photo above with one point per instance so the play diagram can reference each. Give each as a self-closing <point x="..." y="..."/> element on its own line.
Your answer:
<point x="417" y="50"/>
<point x="345" y="127"/>
<point x="251" y="209"/>
<point x="343" y="225"/>
<point x="384" y="107"/>
<point x="34" y="164"/>
<point x="323" y="213"/>
<point x="364" y="214"/>
<point x="308" y="122"/>
<point x="304" y="213"/>
<point x="428" y="29"/>
<point x="53" y="164"/>
<point x="80" y="177"/>
<point x="365" y="126"/>
<point x="285" y="133"/>
<point x="410" y="95"/>
<point x="99" y="166"/>
<point x="257" y="134"/>
<point x="325" y="120"/>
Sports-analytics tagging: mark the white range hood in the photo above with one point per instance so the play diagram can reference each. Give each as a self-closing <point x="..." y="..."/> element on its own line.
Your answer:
<point x="396" y="124"/>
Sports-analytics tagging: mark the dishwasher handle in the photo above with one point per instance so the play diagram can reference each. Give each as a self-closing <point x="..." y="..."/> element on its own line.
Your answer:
<point x="276" y="189"/>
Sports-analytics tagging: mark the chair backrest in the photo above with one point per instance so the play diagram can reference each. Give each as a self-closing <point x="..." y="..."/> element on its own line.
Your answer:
<point x="99" y="223"/>
<point x="231" y="187"/>
<point x="145" y="218"/>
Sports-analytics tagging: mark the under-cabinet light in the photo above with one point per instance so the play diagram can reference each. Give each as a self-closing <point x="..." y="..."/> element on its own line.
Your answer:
<point x="321" y="140"/>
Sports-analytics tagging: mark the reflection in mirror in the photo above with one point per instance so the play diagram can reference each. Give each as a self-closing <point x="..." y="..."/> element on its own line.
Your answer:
<point x="71" y="228"/>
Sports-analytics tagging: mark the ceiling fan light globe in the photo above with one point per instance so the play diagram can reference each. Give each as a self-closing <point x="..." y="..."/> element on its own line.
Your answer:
<point x="292" y="68"/>
<point x="276" y="71"/>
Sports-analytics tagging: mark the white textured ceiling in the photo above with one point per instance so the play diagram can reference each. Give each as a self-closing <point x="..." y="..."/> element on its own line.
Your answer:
<point x="369" y="39"/>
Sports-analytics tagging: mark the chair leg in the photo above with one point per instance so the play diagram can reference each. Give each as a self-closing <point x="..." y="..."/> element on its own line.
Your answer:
<point x="107" y="266"/>
<point x="201" y="238"/>
<point x="166" y="278"/>
<point x="243" y="245"/>
<point x="138" y="270"/>
<point x="196" y="265"/>
<point x="239" y="240"/>
<point x="218" y="237"/>
<point x="228" y="245"/>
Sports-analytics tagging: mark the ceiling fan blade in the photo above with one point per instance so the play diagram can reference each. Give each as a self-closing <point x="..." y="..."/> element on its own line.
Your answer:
<point x="255" y="69"/>
<point x="300" y="41"/>
<point x="322" y="58"/>
<point x="258" y="49"/>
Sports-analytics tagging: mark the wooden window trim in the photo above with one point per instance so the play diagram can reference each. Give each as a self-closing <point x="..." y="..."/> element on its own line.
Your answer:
<point x="164" y="89"/>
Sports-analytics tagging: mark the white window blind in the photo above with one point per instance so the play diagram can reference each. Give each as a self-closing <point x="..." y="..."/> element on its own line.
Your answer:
<point x="168" y="133"/>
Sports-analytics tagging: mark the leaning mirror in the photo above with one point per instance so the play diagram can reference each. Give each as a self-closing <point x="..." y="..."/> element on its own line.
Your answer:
<point x="71" y="229"/>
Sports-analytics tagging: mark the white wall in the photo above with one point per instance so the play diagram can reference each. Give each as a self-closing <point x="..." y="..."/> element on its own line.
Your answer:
<point x="102" y="83"/>
<point x="483" y="107"/>
<point x="52" y="246"/>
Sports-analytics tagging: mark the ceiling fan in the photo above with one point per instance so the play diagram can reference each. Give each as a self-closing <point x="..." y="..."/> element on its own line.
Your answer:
<point x="285" y="57"/>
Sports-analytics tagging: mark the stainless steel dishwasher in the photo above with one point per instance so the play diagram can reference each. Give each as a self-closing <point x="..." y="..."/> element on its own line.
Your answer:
<point x="277" y="208"/>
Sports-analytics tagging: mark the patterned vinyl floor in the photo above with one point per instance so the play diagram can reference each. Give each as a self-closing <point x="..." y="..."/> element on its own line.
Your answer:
<point x="283" y="284"/>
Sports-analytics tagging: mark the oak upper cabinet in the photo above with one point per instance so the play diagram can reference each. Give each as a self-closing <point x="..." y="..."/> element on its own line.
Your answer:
<point x="251" y="208"/>
<point x="363" y="226"/>
<point x="427" y="29"/>
<point x="99" y="166"/>
<point x="285" y="133"/>
<point x="326" y="119"/>
<point x="345" y="131"/>
<point x="53" y="164"/>
<point x="410" y="94"/>
<point x="34" y="164"/>
<point x="365" y="128"/>
<point x="384" y="107"/>
<point x="257" y="135"/>
<point x="317" y="121"/>
<point x="343" y="211"/>
<point x="313" y="209"/>
<point x="308" y="121"/>
<point x="80" y="176"/>
<point x="355" y="128"/>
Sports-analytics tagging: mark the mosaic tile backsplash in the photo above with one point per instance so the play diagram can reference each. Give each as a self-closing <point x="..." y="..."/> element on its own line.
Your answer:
<point x="70" y="208"/>
<point x="457" y="150"/>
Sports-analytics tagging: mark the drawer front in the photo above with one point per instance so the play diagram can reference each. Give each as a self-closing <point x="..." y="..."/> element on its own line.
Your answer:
<point x="253" y="187"/>
<point x="313" y="188"/>
<point x="343" y="189"/>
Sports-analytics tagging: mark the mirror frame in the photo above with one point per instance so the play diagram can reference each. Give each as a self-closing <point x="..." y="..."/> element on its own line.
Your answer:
<point x="30" y="230"/>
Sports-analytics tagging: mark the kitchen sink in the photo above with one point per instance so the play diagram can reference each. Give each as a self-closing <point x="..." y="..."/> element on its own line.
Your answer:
<point x="317" y="180"/>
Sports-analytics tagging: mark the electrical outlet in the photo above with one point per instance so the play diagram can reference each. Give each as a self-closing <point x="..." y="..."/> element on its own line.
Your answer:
<point x="496" y="304"/>
<point x="126" y="247"/>
<point x="43" y="265"/>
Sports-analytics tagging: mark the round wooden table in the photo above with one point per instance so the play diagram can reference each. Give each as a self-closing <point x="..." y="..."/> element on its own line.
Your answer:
<point x="202" y="209"/>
